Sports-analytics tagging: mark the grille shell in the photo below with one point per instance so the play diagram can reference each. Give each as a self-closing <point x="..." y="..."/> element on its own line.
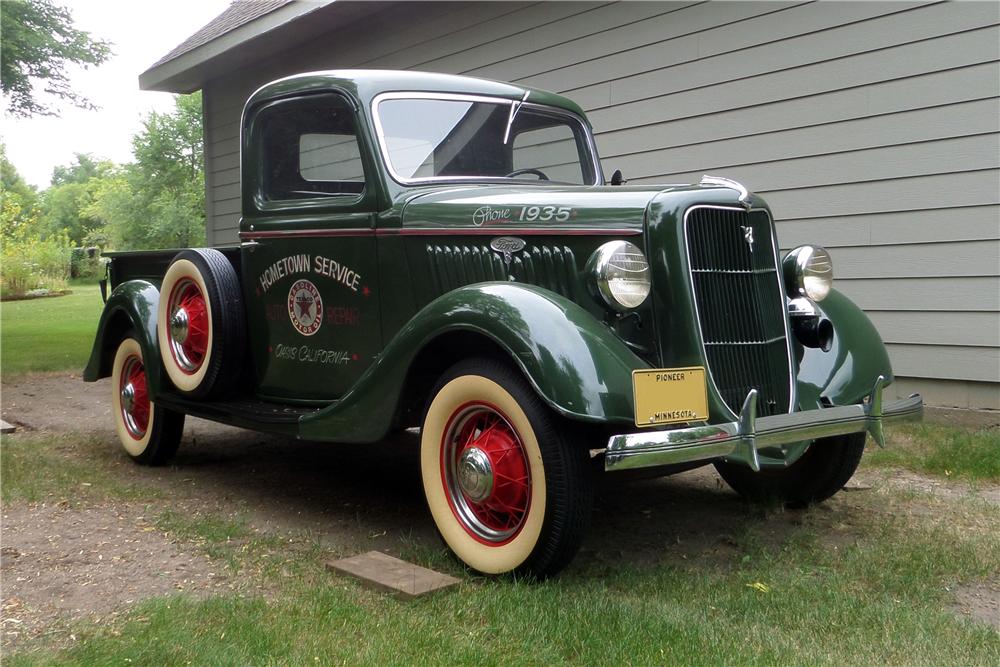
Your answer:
<point x="740" y="305"/>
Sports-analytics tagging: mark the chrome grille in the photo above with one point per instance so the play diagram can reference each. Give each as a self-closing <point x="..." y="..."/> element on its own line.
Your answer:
<point x="734" y="274"/>
<point x="551" y="267"/>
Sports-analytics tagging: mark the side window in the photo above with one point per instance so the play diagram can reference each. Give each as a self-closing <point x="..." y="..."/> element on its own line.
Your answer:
<point x="309" y="149"/>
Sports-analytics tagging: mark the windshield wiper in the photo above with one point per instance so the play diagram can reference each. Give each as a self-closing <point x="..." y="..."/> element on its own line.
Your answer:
<point x="514" y="108"/>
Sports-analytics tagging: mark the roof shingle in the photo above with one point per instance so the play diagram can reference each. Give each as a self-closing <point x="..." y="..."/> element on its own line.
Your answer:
<point x="238" y="13"/>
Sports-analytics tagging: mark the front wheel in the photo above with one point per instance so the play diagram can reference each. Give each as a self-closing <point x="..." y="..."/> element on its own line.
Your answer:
<point x="820" y="472"/>
<point x="150" y="434"/>
<point x="507" y="489"/>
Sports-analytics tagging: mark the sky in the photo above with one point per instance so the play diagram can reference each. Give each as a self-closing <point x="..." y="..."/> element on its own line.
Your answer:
<point x="141" y="32"/>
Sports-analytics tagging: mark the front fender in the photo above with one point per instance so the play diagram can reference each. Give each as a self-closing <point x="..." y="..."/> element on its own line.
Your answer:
<point x="131" y="306"/>
<point x="847" y="373"/>
<point x="576" y="364"/>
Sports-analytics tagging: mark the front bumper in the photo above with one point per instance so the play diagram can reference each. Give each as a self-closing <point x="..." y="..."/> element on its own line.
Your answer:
<point x="739" y="441"/>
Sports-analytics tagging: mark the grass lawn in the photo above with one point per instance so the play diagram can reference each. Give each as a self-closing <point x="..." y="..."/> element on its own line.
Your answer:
<point x="941" y="450"/>
<point x="49" y="334"/>
<point x="811" y="597"/>
<point x="878" y="603"/>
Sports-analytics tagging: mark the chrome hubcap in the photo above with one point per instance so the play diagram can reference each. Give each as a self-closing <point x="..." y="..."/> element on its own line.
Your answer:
<point x="128" y="398"/>
<point x="475" y="474"/>
<point x="179" y="325"/>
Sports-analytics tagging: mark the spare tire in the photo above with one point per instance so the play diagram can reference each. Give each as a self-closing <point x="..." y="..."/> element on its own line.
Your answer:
<point x="200" y="323"/>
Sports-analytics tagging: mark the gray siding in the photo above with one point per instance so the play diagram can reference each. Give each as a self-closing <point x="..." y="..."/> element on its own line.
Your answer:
<point x="871" y="128"/>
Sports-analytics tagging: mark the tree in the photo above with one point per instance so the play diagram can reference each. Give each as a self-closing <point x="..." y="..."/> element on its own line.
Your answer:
<point x="159" y="200"/>
<point x="12" y="184"/>
<point x="169" y="147"/>
<point x="39" y="41"/>
<point x="64" y="205"/>
<point x="64" y="211"/>
<point x="18" y="199"/>
<point x="85" y="167"/>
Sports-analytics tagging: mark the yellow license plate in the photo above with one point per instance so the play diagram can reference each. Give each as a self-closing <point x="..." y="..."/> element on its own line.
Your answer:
<point x="669" y="396"/>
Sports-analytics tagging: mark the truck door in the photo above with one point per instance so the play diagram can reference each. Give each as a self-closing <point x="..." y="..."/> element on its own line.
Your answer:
<point x="310" y="282"/>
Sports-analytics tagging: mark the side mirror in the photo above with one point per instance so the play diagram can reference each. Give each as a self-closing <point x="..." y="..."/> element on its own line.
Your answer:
<point x="616" y="178"/>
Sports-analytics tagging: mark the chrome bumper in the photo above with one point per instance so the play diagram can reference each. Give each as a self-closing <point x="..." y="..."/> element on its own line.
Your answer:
<point x="740" y="440"/>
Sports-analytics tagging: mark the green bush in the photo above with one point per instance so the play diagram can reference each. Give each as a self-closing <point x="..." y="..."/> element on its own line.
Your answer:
<point x="26" y="261"/>
<point x="86" y="263"/>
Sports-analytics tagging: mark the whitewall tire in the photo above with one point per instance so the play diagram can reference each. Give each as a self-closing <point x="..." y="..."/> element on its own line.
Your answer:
<point x="506" y="489"/>
<point x="149" y="433"/>
<point x="200" y="323"/>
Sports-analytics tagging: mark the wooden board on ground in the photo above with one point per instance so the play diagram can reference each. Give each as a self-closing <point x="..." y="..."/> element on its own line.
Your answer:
<point x="384" y="572"/>
<point x="6" y="428"/>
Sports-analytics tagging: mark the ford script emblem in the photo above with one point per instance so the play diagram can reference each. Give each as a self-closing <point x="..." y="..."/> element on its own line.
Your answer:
<point x="507" y="245"/>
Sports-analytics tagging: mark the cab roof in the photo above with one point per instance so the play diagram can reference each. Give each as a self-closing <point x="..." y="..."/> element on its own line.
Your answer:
<point x="365" y="84"/>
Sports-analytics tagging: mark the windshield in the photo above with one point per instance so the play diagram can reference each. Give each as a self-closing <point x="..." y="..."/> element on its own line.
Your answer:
<point x="462" y="137"/>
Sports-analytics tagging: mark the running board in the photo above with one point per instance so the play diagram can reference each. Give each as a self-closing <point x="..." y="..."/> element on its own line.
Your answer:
<point x="244" y="412"/>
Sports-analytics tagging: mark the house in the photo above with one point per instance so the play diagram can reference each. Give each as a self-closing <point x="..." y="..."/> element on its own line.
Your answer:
<point x="871" y="128"/>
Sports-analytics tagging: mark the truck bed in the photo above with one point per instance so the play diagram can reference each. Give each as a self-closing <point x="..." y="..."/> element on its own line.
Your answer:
<point x="152" y="264"/>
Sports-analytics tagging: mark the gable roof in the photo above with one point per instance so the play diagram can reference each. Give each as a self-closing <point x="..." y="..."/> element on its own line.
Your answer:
<point x="235" y="15"/>
<point x="247" y="31"/>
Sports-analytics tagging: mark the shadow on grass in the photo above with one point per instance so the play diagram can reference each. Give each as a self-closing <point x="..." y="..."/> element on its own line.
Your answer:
<point x="357" y="497"/>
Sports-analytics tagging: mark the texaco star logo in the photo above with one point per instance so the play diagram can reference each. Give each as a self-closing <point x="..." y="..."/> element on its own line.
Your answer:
<point x="305" y="307"/>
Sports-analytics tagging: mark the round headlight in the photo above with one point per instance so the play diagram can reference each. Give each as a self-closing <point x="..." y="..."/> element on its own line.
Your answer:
<point x="620" y="273"/>
<point x="808" y="272"/>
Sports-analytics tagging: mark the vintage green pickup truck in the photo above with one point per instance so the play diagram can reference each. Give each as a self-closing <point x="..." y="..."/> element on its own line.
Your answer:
<point x="444" y="252"/>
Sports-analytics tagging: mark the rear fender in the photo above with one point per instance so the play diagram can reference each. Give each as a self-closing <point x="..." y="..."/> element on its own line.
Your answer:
<point x="847" y="373"/>
<point x="131" y="306"/>
<point x="574" y="362"/>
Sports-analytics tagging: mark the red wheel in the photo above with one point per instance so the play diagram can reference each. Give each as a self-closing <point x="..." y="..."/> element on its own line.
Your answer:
<point x="486" y="474"/>
<point x="134" y="405"/>
<point x="507" y="490"/>
<point x="148" y="433"/>
<point x="200" y="325"/>
<point x="189" y="326"/>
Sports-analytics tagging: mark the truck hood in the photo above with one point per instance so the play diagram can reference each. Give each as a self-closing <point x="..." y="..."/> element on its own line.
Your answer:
<point x="514" y="209"/>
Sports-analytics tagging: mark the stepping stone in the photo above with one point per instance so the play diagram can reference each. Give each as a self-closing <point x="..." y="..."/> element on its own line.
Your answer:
<point x="384" y="572"/>
<point x="6" y="428"/>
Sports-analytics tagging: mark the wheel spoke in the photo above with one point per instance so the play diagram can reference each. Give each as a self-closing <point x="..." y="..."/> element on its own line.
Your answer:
<point x="498" y="516"/>
<point x="190" y="349"/>
<point x="135" y="407"/>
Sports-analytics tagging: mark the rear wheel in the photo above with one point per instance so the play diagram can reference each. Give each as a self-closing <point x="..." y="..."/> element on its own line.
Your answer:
<point x="818" y="474"/>
<point x="200" y="324"/>
<point x="507" y="489"/>
<point x="149" y="433"/>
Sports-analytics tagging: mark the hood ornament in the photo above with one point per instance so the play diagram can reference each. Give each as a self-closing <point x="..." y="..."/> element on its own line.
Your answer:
<point x="507" y="245"/>
<point x="744" y="197"/>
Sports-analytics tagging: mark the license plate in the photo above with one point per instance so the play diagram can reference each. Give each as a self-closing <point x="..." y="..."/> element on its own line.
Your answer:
<point x="669" y="396"/>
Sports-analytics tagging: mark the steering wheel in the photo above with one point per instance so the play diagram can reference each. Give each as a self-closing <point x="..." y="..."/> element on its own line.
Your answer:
<point x="537" y="172"/>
